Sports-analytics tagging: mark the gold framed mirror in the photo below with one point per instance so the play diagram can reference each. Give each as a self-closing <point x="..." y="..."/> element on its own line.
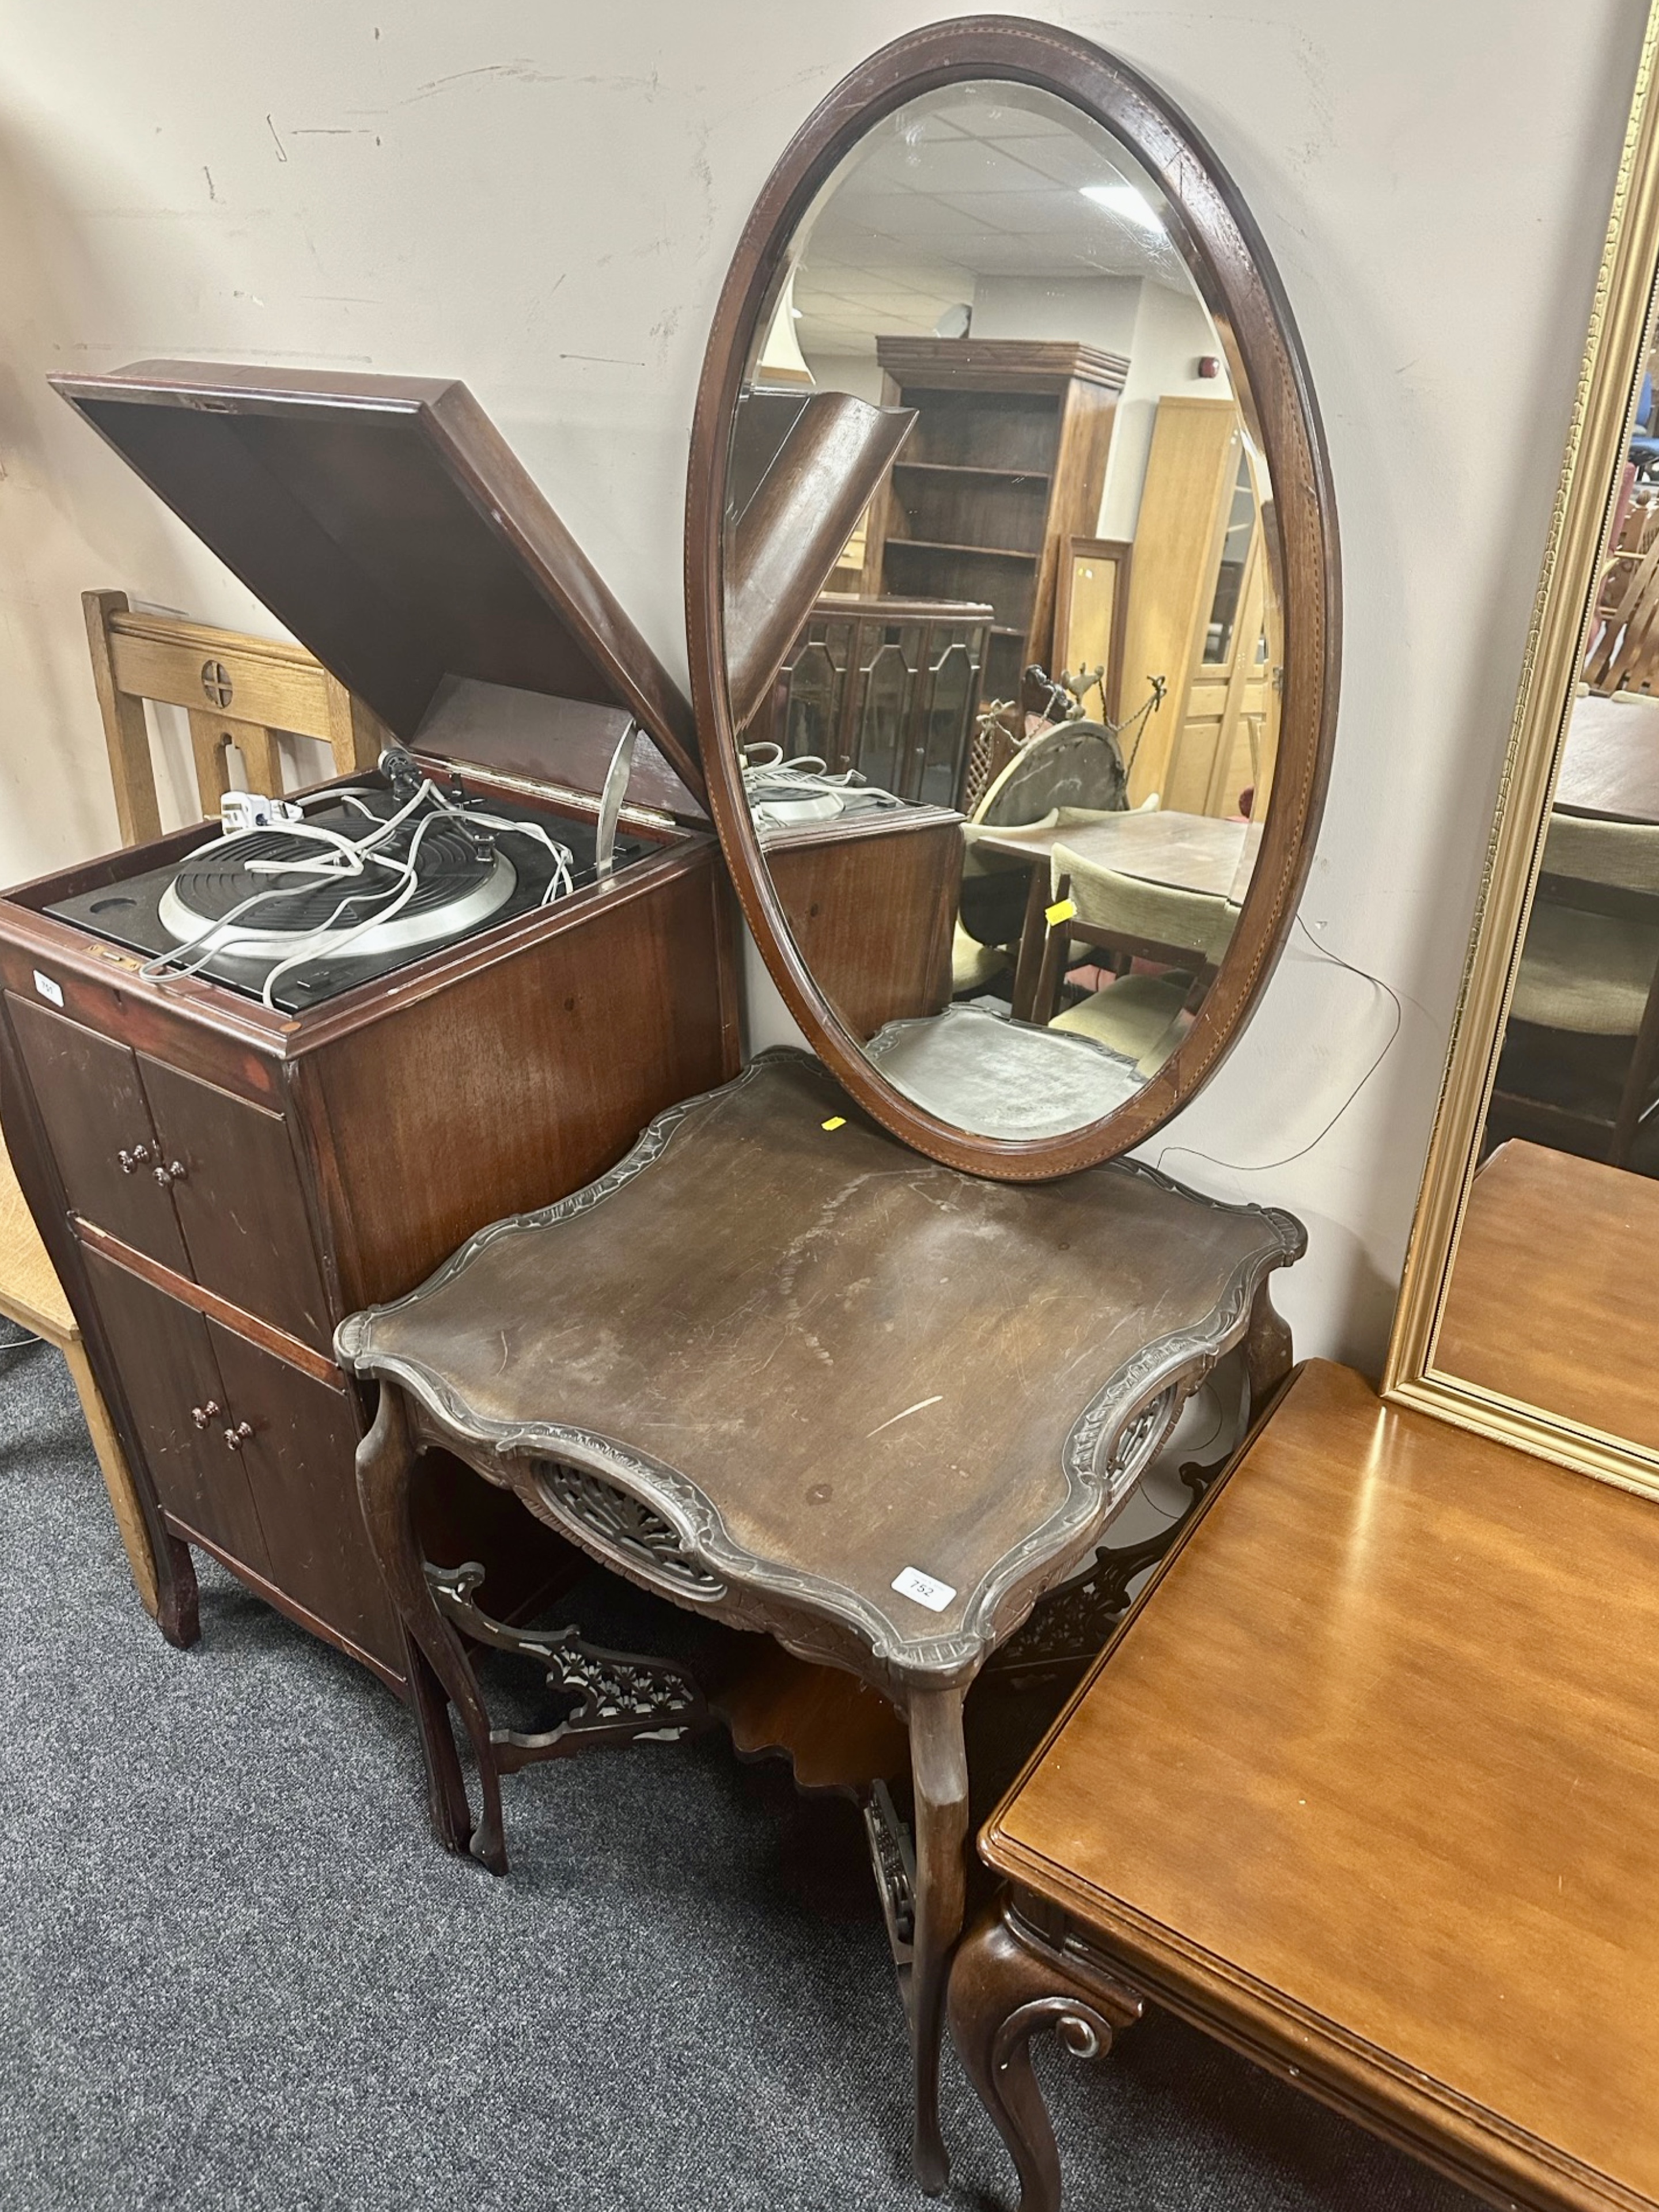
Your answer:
<point x="1529" y="1306"/>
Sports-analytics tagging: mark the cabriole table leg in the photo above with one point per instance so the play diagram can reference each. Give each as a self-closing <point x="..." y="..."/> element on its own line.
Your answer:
<point x="385" y="1465"/>
<point x="1003" y="1992"/>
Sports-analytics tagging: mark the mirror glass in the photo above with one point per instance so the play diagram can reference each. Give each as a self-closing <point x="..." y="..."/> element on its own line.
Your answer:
<point x="1004" y="636"/>
<point x="1552" y="1299"/>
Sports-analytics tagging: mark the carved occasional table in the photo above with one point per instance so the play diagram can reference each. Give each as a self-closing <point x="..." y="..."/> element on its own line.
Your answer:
<point x="786" y="1372"/>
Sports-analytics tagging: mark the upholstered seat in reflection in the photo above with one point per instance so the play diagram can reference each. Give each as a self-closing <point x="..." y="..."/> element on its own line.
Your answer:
<point x="1108" y="905"/>
<point x="973" y="964"/>
<point x="1580" y="1056"/>
<point x="1586" y="972"/>
<point x="1071" y="775"/>
<point x="999" y="1078"/>
<point x="1139" y="1018"/>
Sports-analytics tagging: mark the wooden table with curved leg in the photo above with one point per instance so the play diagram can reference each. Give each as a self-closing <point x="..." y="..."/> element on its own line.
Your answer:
<point x="787" y="1373"/>
<point x="1362" y="1788"/>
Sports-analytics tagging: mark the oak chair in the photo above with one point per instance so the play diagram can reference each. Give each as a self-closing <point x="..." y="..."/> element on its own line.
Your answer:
<point x="234" y="689"/>
<point x="1071" y="773"/>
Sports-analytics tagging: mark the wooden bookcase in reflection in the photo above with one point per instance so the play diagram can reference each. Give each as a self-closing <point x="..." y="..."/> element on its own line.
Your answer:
<point x="1006" y="463"/>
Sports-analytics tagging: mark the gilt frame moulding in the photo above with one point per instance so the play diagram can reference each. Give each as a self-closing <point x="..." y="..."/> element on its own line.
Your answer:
<point x="1603" y="412"/>
<point x="1230" y="264"/>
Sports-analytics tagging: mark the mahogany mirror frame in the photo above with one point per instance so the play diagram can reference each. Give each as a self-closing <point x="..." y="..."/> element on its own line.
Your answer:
<point x="1603" y="410"/>
<point x="1209" y="223"/>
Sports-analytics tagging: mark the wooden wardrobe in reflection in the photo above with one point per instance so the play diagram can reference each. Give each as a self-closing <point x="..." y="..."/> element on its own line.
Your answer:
<point x="1202" y="616"/>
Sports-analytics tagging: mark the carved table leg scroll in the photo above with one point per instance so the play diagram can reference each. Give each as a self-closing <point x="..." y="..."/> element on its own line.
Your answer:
<point x="439" y="1671"/>
<point x="939" y="1769"/>
<point x="1004" y="1991"/>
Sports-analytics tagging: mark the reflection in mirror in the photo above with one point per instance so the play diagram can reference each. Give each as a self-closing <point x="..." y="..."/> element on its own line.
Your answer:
<point x="1570" y="1151"/>
<point x="1004" y="646"/>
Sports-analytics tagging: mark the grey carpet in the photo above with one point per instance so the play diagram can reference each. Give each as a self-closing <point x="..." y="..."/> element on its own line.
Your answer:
<point x="236" y="1971"/>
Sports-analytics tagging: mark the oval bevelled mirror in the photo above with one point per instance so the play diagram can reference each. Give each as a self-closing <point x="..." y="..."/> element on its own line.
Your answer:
<point x="1014" y="609"/>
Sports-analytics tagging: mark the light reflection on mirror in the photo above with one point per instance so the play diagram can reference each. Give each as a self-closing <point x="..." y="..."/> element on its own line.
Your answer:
<point x="1571" y="1144"/>
<point x="1002" y="639"/>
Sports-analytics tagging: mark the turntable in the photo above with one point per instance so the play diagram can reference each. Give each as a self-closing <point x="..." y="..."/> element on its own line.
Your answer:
<point x="790" y="793"/>
<point x="361" y="883"/>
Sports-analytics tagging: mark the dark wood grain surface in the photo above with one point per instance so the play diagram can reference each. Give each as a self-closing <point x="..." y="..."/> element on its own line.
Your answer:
<point x="1553" y="1297"/>
<point x="872" y="913"/>
<point x="317" y="1160"/>
<point x="1611" y="764"/>
<point x="1363" y="1788"/>
<point x="388" y="523"/>
<point x="853" y="1354"/>
<point x="1188" y="852"/>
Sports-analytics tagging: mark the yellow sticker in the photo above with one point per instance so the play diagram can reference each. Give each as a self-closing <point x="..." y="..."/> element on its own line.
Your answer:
<point x="835" y="1121"/>
<point x="1061" y="910"/>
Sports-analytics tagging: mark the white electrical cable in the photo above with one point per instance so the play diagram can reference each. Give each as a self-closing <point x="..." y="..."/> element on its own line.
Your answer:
<point x="347" y="857"/>
<point x="211" y="940"/>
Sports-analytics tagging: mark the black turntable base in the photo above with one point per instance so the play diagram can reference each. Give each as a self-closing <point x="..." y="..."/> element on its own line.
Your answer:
<point x="232" y="912"/>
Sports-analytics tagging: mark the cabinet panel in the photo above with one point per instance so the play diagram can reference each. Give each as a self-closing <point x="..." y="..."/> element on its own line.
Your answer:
<point x="94" y="1109"/>
<point x="239" y="1202"/>
<point x="168" y="1372"/>
<point x="300" y="1461"/>
<point x="872" y="917"/>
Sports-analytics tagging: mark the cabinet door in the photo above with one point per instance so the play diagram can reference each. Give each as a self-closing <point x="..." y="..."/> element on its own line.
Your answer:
<point x="300" y="1463"/>
<point x="102" y="1136"/>
<point x="236" y="1188"/>
<point x="181" y="1403"/>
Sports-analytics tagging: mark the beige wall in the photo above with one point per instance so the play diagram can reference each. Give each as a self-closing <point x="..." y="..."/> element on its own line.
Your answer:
<point x="543" y="197"/>
<point x="1172" y="334"/>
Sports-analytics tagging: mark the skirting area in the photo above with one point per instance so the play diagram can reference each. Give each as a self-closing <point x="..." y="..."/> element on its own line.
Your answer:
<point x="236" y="1971"/>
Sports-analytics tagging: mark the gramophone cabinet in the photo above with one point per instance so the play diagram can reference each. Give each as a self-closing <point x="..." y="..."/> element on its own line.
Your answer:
<point x="219" y="1181"/>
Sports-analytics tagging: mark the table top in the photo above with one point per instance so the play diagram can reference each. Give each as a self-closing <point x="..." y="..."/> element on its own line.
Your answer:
<point x="1555" y="1293"/>
<point x="831" y="1362"/>
<point x="1610" y="765"/>
<point x="1365" y="1785"/>
<point x="1188" y="852"/>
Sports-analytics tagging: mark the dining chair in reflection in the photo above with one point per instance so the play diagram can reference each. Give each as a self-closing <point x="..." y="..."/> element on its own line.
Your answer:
<point x="1183" y="934"/>
<point x="1581" y="1048"/>
<point x="1072" y="773"/>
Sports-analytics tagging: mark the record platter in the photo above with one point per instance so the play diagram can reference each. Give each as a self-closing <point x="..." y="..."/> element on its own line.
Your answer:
<point x="361" y="881"/>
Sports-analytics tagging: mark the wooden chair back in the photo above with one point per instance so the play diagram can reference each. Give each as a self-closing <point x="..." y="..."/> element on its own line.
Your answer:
<point x="234" y="689"/>
<point x="1074" y="764"/>
<point x="1129" y="918"/>
<point x="1623" y="654"/>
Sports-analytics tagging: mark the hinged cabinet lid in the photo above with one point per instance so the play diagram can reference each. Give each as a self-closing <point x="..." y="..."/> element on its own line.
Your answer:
<point x="388" y="524"/>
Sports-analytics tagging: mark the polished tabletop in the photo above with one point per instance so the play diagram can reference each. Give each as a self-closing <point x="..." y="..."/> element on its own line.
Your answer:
<point x="1376" y="1762"/>
<point x="1187" y="851"/>
<point x="1555" y="1293"/>
<point x="1610" y="766"/>
<point x="868" y="1367"/>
